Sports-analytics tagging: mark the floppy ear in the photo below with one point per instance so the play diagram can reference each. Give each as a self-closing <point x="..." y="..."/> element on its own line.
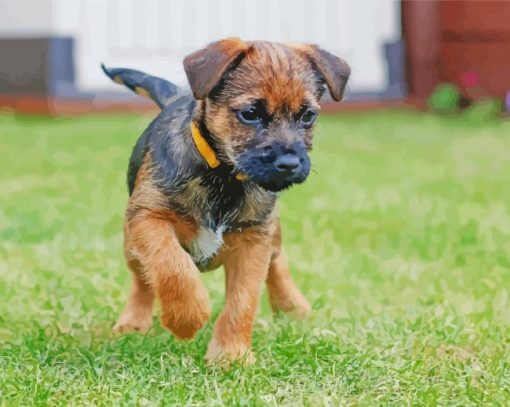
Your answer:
<point x="204" y="68"/>
<point x="334" y="70"/>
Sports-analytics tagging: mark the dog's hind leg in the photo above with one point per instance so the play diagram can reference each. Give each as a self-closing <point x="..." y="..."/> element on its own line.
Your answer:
<point x="283" y="292"/>
<point x="137" y="315"/>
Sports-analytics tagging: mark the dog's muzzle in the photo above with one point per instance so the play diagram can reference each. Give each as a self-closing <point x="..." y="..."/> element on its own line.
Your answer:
<point x="277" y="166"/>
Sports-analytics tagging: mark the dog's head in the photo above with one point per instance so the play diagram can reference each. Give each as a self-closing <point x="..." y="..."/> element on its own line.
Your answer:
<point x="260" y="101"/>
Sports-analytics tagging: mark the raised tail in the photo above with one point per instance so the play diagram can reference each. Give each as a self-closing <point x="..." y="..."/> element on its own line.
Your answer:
<point x="159" y="90"/>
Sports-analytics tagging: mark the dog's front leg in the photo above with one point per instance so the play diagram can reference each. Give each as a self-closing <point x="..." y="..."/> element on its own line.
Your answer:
<point x="246" y="260"/>
<point x="170" y="271"/>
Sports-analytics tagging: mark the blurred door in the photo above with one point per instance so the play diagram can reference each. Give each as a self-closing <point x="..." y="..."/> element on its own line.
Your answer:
<point x="446" y="39"/>
<point x="475" y="36"/>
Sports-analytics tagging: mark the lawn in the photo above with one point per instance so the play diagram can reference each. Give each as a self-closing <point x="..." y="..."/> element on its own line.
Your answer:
<point x="400" y="239"/>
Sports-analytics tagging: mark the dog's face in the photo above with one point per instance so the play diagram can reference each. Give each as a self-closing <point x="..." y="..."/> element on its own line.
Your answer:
<point x="260" y="100"/>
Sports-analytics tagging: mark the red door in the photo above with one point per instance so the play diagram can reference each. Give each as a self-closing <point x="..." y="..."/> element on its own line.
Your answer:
<point x="445" y="39"/>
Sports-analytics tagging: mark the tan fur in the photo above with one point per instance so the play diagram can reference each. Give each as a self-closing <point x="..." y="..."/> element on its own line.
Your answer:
<point x="276" y="85"/>
<point x="154" y="238"/>
<point x="213" y="59"/>
<point x="246" y="257"/>
<point x="137" y="315"/>
<point x="272" y="72"/>
<point x="170" y="271"/>
<point x="283" y="292"/>
<point x="334" y="70"/>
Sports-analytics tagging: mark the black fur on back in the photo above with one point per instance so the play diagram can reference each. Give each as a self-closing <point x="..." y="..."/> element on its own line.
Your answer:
<point x="169" y="128"/>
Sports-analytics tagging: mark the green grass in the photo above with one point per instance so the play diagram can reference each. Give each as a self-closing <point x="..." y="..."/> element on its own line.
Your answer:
<point x="400" y="239"/>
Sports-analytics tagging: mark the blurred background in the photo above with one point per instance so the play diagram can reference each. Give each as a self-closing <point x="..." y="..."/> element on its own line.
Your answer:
<point x="399" y="238"/>
<point x="399" y="50"/>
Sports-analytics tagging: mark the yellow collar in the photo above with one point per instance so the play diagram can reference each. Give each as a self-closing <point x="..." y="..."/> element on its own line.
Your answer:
<point x="207" y="152"/>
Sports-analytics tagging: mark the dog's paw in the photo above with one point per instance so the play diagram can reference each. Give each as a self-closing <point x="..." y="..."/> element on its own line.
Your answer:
<point x="295" y="306"/>
<point x="134" y="321"/>
<point x="300" y="309"/>
<point x="185" y="318"/>
<point x="184" y="325"/>
<point x="224" y="356"/>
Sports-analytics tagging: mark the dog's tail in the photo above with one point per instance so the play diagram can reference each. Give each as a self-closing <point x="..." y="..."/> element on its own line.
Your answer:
<point x="159" y="90"/>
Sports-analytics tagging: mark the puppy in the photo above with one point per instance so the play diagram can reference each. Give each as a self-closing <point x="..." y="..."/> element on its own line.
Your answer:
<point x="203" y="181"/>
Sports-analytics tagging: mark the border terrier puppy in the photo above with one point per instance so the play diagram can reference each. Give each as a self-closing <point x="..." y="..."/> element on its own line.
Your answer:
<point x="203" y="181"/>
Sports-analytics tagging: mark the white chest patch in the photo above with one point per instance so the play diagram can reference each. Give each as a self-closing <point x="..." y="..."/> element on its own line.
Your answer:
<point x="206" y="245"/>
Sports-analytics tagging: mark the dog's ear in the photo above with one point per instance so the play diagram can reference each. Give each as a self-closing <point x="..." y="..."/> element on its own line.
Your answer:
<point x="204" y="68"/>
<point x="335" y="71"/>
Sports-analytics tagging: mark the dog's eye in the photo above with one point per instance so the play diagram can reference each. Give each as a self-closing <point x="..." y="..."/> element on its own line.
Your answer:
<point x="250" y="115"/>
<point x="308" y="117"/>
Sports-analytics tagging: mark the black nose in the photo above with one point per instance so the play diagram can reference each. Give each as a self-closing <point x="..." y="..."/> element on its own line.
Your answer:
<point x="287" y="163"/>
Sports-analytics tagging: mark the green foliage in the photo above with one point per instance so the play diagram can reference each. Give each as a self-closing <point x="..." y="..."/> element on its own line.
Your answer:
<point x="400" y="239"/>
<point x="484" y="110"/>
<point x="444" y="98"/>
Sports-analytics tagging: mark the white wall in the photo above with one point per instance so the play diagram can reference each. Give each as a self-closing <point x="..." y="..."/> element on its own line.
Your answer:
<point x="154" y="35"/>
<point x="26" y="17"/>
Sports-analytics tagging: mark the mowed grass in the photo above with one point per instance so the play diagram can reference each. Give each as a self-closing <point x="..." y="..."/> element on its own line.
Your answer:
<point x="400" y="239"/>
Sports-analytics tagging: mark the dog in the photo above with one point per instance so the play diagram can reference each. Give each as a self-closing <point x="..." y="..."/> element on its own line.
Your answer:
<point x="204" y="179"/>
